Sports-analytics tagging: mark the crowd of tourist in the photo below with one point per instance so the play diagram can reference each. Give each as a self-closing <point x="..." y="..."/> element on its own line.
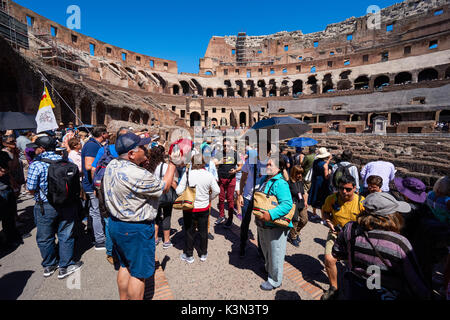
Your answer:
<point x="126" y="184"/>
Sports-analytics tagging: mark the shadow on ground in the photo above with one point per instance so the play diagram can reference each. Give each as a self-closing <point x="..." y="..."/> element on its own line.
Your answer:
<point x="287" y="295"/>
<point x="15" y="282"/>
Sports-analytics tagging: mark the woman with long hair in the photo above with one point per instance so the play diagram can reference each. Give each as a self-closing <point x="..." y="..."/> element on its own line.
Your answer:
<point x="157" y="165"/>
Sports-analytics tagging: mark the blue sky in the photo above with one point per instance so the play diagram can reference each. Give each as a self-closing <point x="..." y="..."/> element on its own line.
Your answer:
<point x="181" y="30"/>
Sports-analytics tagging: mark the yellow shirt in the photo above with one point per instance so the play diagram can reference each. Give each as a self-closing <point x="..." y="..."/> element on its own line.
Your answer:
<point x="343" y="213"/>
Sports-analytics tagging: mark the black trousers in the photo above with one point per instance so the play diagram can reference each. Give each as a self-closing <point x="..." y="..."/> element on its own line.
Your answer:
<point x="189" y="228"/>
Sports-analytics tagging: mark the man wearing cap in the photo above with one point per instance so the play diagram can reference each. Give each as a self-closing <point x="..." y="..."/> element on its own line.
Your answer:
<point x="50" y="220"/>
<point x="339" y="209"/>
<point x="131" y="197"/>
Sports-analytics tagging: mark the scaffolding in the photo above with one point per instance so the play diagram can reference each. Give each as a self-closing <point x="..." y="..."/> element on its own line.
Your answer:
<point x="243" y="55"/>
<point x="54" y="54"/>
<point x="14" y="31"/>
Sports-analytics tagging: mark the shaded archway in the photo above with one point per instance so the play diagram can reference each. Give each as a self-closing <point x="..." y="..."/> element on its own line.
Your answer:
<point x="86" y="111"/>
<point x="100" y="111"/>
<point x="273" y="88"/>
<point x="195" y="116"/>
<point x="428" y="75"/>
<point x="220" y="92"/>
<point x="362" y="82"/>
<point x="209" y="92"/>
<point x="230" y="90"/>
<point x="327" y="83"/>
<point x="176" y="89"/>
<point x="9" y="89"/>
<point x="344" y="85"/>
<point x="136" y="117"/>
<point x="198" y="86"/>
<point x="240" y="91"/>
<point x="284" y="91"/>
<point x="67" y="115"/>
<point x="312" y="82"/>
<point x="381" y="81"/>
<point x="297" y="87"/>
<point x="262" y="84"/>
<point x="125" y="114"/>
<point x="403" y="78"/>
<point x="186" y="87"/>
<point x="145" y="118"/>
<point x="243" y="119"/>
<point x="162" y="82"/>
<point x="344" y="75"/>
<point x="447" y="73"/>
<point x="444" y="116"/>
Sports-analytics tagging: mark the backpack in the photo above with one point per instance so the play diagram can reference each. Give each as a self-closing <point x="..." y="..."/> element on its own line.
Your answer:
<point x="63" y="182"/>
<point x="101" y="167"/>
<point x="339" y="173"/>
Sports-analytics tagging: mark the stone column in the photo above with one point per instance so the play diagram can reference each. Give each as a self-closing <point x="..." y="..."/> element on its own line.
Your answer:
<point x="94" y="115"/>
<point x="77" y="111"/>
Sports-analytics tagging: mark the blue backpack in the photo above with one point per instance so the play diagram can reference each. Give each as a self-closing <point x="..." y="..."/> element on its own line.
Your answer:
<point x="101" y="167"/>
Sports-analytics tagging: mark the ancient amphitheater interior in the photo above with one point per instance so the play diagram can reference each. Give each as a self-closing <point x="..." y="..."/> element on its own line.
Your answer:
<point x="392" y="66"/>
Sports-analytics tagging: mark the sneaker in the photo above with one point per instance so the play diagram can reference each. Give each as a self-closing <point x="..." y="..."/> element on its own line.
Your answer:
<point x="204" y="257"/>
<point x="167" y="245"/>
<point x="266" y="286"/>
<point x="330" y="294"/>
<point x="157" y="241"/>
<point x="100" y="246"/>
<point x="220" y="220"/>
<point x="49" y="271"/>
<point x="189" y="260"/>
<point x="65" y="272"/>
<point x="210" y="236"/>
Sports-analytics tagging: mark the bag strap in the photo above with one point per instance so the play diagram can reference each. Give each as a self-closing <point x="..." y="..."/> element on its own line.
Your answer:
<point x="375" y="249"/>
<point x="161" y="170"/>
<point x="353" y="235"/>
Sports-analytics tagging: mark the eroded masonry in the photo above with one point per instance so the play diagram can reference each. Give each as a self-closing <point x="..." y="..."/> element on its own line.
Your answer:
<point x="340" y="79"/>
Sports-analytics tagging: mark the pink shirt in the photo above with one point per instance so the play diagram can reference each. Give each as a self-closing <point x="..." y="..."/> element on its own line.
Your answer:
<point x="75" y="157"/>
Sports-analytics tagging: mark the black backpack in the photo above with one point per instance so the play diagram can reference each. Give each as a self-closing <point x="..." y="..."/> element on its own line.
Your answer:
<point x="63" y="182"/>
<point x="340" y="172"/>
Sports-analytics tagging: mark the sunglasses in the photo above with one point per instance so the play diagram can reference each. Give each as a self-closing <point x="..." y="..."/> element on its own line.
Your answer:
<point x="346" y="189"/>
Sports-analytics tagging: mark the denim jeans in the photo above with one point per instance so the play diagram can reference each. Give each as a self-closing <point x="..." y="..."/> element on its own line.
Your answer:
<point x="108" y="242"/>
<point x="55" y="221"/>
<point x="94" y="213"/>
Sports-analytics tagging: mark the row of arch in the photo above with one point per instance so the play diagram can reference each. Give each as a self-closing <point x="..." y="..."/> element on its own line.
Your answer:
<point x="243" y="117"/>
<point x="311" y="86"/>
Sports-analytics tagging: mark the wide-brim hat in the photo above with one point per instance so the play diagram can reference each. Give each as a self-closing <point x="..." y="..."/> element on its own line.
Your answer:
<point x="323" y="153"/>
<point x="413" y="188"/>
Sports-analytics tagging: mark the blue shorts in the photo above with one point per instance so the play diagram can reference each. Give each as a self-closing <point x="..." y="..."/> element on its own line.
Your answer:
<point x="134" y="246"/>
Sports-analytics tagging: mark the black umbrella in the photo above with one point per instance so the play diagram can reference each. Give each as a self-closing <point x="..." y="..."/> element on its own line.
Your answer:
<point x="288" y="127"/>
<point x="17" y="121"/>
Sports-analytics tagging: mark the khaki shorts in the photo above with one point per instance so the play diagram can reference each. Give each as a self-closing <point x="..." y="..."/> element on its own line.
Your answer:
<point x="331" y="239"/>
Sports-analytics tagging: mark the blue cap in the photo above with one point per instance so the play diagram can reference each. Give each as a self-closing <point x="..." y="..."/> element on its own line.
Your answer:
<point x="129" y="141"/>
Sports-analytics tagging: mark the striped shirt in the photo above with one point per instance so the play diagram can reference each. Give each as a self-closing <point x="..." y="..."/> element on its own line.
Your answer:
<point x="402" y="269"/>
<point x="38" y="174"/>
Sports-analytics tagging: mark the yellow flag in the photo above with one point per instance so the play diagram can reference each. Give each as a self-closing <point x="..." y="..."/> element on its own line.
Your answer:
<point x="45" y="117"/>
<point x="46" y="100"/>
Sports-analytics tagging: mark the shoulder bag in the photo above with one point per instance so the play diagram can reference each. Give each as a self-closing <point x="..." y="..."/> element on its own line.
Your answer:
<point x="187" y="198"/>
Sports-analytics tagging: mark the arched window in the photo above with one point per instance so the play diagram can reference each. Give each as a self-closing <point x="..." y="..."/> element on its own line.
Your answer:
<point x="428" y="75"/>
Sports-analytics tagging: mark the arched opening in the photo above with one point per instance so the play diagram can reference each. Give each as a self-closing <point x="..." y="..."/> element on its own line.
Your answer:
<point x="250" y="93"/>
<point x="251" y="88"/>
<point x="344" y="75"/>
<point x="243" y="119"/>
<point x="186" y="87"/>
<point x="198" y="86"/>
<point x="230" y="90"/>
<point x="176" y="89"/>
<point x="223" y="122"/>
<point x="195" y="116"/>
<point x="273" y="88"/>
<point x="428" y="75"/>
<point x="125" y="114"/>
<point x="209" y="92"/>
<point x="297" y="88"/>
<point x="136" y="117"/>
<point x="220" y="92"/>
<point x="447" y="73"/>
<point x="396" y="118"/>
<point x="327" y="83"/>
<point x="403" y="78"/>
<point x="262" y="84"/>
<point x="312" y="81"/>
<point x="355" y="117"/>
<point x="145" y="118"/>
<point x="284" y="91"/>
<point x="444" y="116"/>
<point x="362" y="82"/>
<point x="240" y="84"/>
<point x="100" y="111"/>
<point x="86" y="111"/>
<point x="9" y="100"/>
<point x="381" y="81"/>
<point x="66" y="113"/>
<point x="344" y="85"/>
